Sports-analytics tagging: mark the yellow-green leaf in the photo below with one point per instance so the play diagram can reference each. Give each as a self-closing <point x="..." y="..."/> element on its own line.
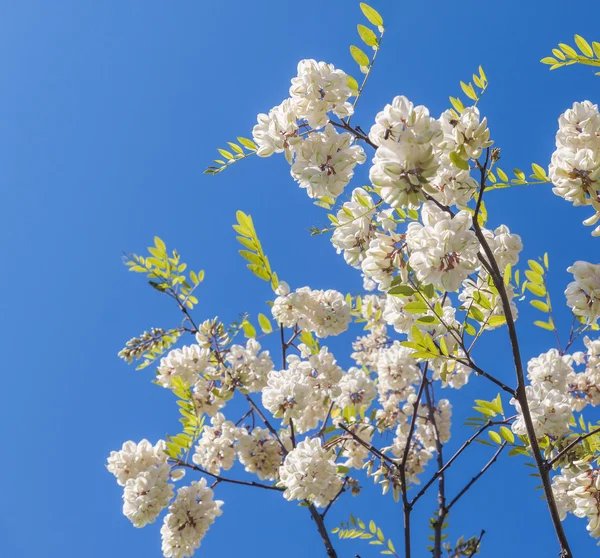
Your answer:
<point x="584" y="46"/>
<point x="359" y="56"/>
<point x="371" y="14"/>
<point x="367" y="35"/>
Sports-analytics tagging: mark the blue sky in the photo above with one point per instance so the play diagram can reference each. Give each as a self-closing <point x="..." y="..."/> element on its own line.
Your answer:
<point x="110" y="112"/>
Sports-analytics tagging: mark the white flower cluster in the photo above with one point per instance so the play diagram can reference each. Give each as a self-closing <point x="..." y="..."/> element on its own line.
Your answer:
<point x="405" y="159"/>
<point x="550" y="402"/>
<point x="249" y="369"/>
<point x="413" y="153"/>
<point x="385" y="257"/>
<point x="259" y="452"/>
<point x="356" y="389"/>
<point x="577" y="491"/>
<point x="354" y="229"/>
<point x="302" y="391"/>
<point x="323" y="313"/>
<point x="309" y="473"/>
<point x="586" y="385"/>
<point x="324" y="162"/>
<point x="575" y="166"/>
<point x="583" y="294"/>
<point x="215" y="449"/>
<point x="187" y="363"/>
<point x="190" y="515"/>
<point x="443" y="250"/>
<point x="143" y="471"/>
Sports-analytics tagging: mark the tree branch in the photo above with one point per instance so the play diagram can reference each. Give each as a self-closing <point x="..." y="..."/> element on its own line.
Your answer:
<point x="224" y="479"/>
<point x="331" y="553"/>
<point x="566" y="450"/>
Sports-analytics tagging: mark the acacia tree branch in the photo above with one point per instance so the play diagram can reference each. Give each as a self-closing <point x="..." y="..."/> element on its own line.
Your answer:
<point x="219" y="478"/>
<point x="331" y="553"/>
<point x="340" y="492"/>
<point x="439" y="521"/>
<point x="477" y="544"/>
<point x="476" y="477"/>
<point x="521" y="394"/>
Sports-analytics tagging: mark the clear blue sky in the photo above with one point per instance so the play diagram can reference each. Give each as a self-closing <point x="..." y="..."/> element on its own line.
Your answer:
<point x="110" y="112"/>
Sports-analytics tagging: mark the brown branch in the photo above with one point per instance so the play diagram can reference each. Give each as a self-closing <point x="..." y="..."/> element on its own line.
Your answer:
<point x="521" y="394"/>
<point x="476" y="477"/>
<point x="477" y="544"/>
<point x="224" y="479"/>
<point x="331" y="553"/>
<point x="340" y="492"/>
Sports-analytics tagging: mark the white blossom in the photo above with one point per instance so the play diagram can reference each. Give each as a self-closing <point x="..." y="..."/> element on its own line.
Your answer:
<point x="354" y="229"/>
<point x="146" y="495"/>
<point x="325" y="162"/>
<point x="249" y="366"/>
<point x="465" y="134"/>
<point x="134" y="458"/>
<point x="322" y="312"/>
<point x="309" y="473"/>
<point x="443" y="251"/>
<point x="215" y="449"/>
<point x="357" y="390"/>
<point x="259" y="452"/>
<point x="190" y="515"/>
<point x="583" y="294"/>
<point x="319" y="88"/>
<point x="384" y="258"/>
<point x="276" y="132"/>
<point x="186" y="363"/>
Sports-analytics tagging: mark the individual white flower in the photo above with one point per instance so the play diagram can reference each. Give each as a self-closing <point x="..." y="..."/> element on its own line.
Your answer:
<point x="402" y="172"/>
<point x="322" y="312"/>
<point x="357" y="390"/>
<point x="583" y="294"/>
<point x="443" y="251"/>
<point x="309" y="473"/>
<point x="384" y="258"/>
<point x="465" y="134"/>
<point x="318" y="89"/>
<point x="325" y="162"/>
<point x="249" y="366"/>
<point x="354" y="229"/>
<point x="276" y="132"/>
<point x="403" y="122"/>
<point x="418" y="455"/>
<point x="215" y="449"/>
<point x="186" y="363"/>
<point x="146" y="495"/>
<point x="259" y="452"/>
<point x="134" y="458"/>
<point x="190" y="515"/>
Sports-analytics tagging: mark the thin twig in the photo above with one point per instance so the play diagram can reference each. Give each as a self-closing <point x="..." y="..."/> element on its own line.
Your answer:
<point x="570" y="447"/>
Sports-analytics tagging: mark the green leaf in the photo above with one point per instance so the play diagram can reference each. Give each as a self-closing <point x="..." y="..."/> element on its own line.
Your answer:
<point x="503" y="176"/>
<point x="534" y="277"/>
<point x="507" y="434"/>
<point x="495" y="437"/>
<point x="549" y="60"/>
<point x="458" y="162"/>
<point x="371" y="14"/>
<point x="402" y="290"/>
<point x="539" y="305"/>
<point x="584" y="46"/>
<point x="264" y="323"/>
<point x="536" y="267"/>
<point x="544" y="325"/>
<point x="248" y="144"/>
<point x="569" y="51"/>
<point x="416" y="307"/>
<point x="367" y="35"/>
<point x="468" y="90"/>
<point x="539" y="172"/>
<point x="495" y="321"/>
<point x="249" y="330"/>
<point x="538" y="290"/>
<point x="352" y="83"/>
<point x="359" y="56"/>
